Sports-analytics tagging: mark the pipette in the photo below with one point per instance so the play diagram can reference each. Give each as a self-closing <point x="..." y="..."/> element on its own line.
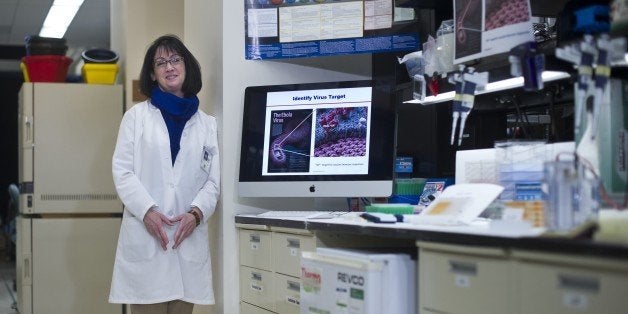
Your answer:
<point x="456" y="106"/>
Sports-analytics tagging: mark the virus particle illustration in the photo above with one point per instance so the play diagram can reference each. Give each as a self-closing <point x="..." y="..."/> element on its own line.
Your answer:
<point x="467" y="13"/>
<point x="501" y="13"/>
<point x="290" y="141"/>
<point x="341" y="132"/>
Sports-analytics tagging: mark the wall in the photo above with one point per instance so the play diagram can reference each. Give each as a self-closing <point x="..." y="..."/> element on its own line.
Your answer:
<point x="202" y="35"/>
<point x="239" y="73"/>
<point x="134" y="25"/>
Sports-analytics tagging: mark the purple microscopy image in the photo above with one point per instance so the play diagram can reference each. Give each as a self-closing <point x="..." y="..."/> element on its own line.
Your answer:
<point x="500" y="13"/>
<point x="341" y="132"/>
<point x="290" y="140"/>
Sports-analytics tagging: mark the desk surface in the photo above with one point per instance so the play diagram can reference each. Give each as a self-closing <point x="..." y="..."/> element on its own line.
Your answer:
<point x="483" y="236"/>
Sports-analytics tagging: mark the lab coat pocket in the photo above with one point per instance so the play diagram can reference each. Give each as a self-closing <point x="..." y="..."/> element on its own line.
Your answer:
<point x="196" y="247"/>
<point x="137" y="244"/>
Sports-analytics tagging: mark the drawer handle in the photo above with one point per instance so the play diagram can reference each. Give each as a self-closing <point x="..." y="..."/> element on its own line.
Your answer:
<point x="579" y="283"/>
<point x="256" y="276"/>
<point x="294" y="286"/>
<point x="294" y="243"/>
<point x="466" y="268"/>
<point x="26" y="274"/>
<point x="255" y="238"/>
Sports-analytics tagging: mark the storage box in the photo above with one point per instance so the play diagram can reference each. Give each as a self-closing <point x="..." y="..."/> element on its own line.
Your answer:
<point x="100" y="73"/>
<point x="47" y="68"/>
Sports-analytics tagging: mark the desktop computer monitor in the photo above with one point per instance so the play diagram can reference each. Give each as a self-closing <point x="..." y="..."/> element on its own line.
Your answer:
<point x="333" y="139"/>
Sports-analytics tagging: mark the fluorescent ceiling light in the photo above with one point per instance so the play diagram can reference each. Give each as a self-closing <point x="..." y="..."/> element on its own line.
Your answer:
<point x="59" y="17"/>
<point x="510" y="83"/>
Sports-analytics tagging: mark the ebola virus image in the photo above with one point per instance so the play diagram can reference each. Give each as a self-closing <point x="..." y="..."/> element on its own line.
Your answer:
<point x="290" y="141"/>
<point x="468" y="27"/>
<point x="341" y="132"/>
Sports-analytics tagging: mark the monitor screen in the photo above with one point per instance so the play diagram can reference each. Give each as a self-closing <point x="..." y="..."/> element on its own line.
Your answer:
<point x="331" y="139"/>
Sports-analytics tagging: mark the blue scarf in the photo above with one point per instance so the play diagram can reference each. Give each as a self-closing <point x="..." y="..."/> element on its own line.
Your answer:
<point x="176" y="112"/>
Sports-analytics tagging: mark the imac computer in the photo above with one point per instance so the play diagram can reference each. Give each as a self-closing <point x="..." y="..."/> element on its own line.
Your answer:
<point x="333" y="139"/>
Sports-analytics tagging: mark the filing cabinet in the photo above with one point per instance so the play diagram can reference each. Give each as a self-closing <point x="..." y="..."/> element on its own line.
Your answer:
<point x="256" y="287"/>
<point x="246" y="308"/>
<point x="255" y="248"/>
<point x="455" y="279"/>
<point x="287" y="294"/>
<point x="270" y="268"/>
<point x="286" y="251"/>
<point x="571" y="284"/>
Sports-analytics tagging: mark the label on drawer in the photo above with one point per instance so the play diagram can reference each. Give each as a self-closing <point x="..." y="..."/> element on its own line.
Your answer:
<point x="462" y="281"/>
<point x="257" y="288"/>
<point x="292" y="300"/>
<point x="574" y="300"/>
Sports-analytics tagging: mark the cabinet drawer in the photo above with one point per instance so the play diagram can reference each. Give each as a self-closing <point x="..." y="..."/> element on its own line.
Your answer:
<point x="287" y="294"/>
<point x="255" y="249"/>
<point x="459" y="283"/>
<point x="287" y="249"/>
<point x="246" y="308"/>
<point x="559" y="289"/>
<point x="256" y="287"/>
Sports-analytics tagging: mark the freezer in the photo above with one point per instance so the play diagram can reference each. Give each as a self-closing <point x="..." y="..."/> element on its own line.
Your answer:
<point x="70" y="214"/>
<point x="339" y="281"/>
<point x="65" y="264"/>
<point x="66" y="135"/>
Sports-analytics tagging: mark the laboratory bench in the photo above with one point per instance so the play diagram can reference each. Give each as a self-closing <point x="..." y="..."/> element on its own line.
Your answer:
<point x="460" y="269"/>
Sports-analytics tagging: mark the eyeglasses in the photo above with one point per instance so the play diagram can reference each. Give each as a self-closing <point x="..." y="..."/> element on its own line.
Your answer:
<point x="174" y="61"/>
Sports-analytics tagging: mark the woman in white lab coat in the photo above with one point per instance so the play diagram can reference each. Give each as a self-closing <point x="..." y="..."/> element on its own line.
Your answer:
<point x="166" y="172"/>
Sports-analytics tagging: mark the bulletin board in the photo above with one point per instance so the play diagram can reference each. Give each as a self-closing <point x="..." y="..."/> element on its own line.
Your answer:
<point x="278" y="29"/>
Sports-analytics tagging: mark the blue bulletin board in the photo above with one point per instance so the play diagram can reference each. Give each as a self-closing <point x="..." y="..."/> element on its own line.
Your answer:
<point x="276" y="29"/>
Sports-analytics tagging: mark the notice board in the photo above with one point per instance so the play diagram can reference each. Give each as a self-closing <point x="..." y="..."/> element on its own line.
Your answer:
<point x="278" y="29"/>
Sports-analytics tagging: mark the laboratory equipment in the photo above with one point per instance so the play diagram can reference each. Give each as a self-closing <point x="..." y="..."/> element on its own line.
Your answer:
<point x="338" y="281"/>
<point x="70" y="214"/>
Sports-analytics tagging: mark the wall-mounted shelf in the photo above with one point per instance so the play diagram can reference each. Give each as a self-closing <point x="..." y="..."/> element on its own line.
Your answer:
<point x="511" y="83"/>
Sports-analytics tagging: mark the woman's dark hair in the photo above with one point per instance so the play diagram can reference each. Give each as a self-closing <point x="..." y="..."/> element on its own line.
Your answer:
<point x="192" y="83"/>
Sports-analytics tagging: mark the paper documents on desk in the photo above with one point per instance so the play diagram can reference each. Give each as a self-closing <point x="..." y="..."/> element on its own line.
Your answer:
<point x="461" y="203"/>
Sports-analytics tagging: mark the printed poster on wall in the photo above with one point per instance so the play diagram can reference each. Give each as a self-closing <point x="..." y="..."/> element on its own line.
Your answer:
<point x="309" y="28"/>
<point x="488" y="27"/>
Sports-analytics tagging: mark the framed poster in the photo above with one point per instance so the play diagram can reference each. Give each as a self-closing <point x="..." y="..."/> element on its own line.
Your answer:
<point x="488" y="27"/>
<point x="309" y="28"/>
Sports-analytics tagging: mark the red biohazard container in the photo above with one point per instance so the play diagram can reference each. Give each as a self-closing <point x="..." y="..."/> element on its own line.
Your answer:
<point x="47" y="68"/>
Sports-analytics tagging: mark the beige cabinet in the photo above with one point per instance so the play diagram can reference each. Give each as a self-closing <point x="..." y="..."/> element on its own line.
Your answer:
<point x="287" y="294"/>
<point x="255" y="249"/>
<point x="270" y="268"/>
<point x="455" y="279"/>
<point x="286" y="251"/>
<point x="551" y="283"/>
<point x="247" y="308"/>
<point x="256" y="287"/>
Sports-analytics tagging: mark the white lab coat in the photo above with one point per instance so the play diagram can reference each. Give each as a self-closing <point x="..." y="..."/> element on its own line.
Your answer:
<point x="144" y="176"/>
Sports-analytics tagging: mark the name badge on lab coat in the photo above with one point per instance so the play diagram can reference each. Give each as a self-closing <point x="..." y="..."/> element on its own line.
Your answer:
<point x="207" y="159"/>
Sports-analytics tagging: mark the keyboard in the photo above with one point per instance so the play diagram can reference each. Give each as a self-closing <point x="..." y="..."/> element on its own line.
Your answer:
<point x="307" y="214"/>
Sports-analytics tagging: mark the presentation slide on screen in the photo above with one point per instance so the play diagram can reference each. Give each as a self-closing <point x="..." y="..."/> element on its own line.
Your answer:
<point x="317" y="132"/>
